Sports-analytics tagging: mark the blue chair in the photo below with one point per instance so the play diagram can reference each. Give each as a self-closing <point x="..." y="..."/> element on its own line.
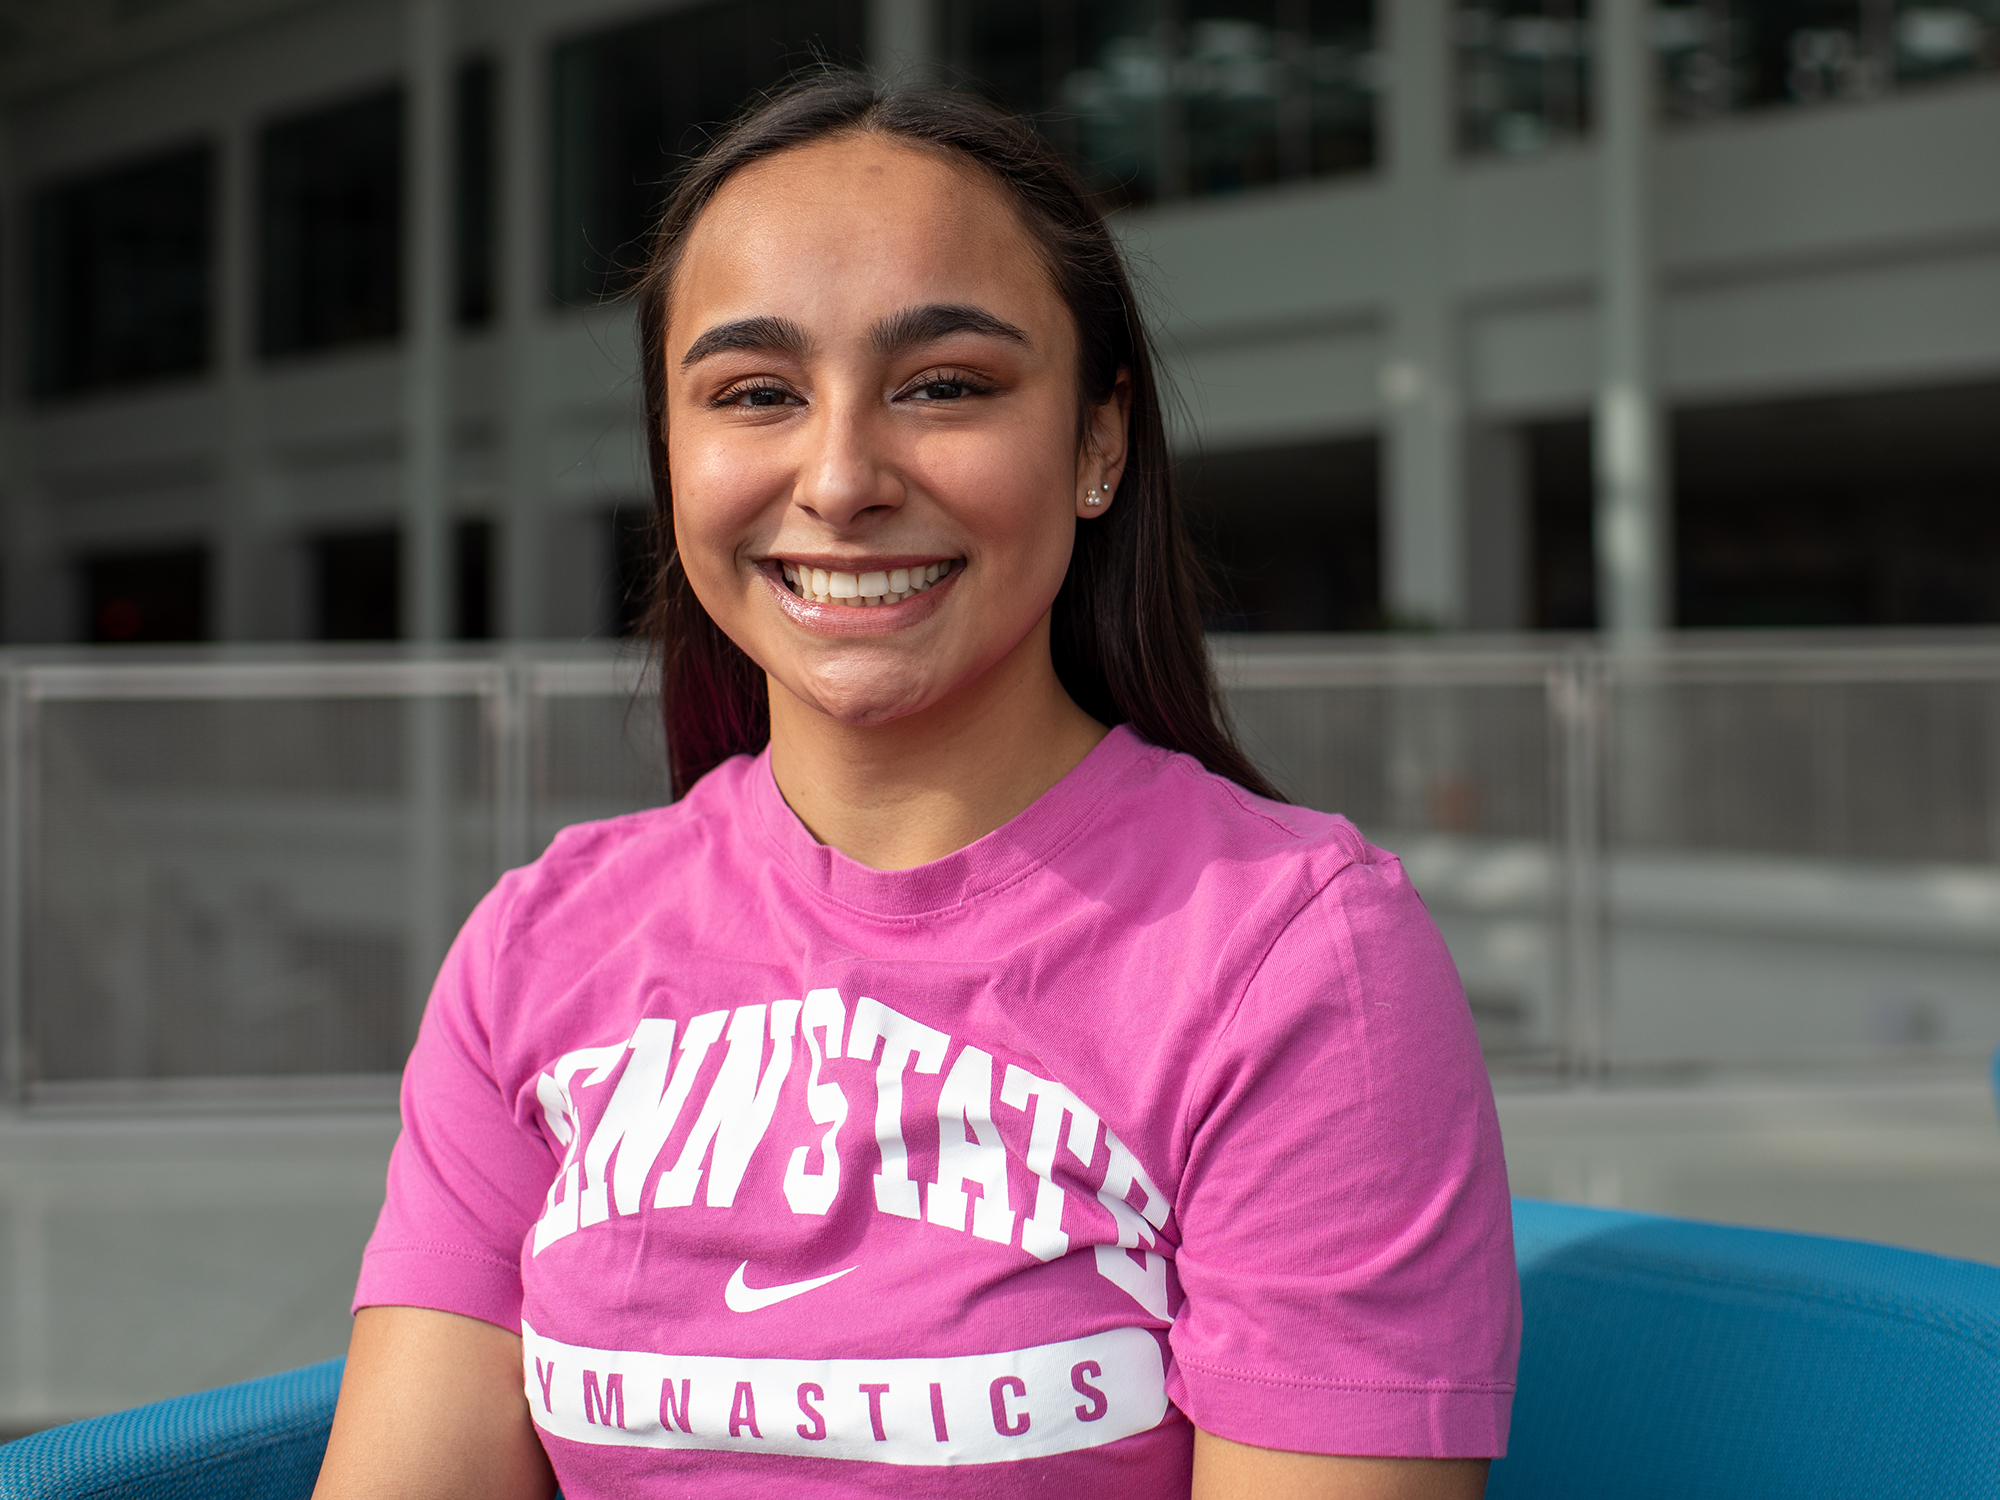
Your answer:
<point x="261" y="1440"/>
<point x="1662" y="1358"/>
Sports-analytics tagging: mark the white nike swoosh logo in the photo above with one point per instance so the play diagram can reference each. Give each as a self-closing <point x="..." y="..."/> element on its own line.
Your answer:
<point x="742" y="1297"/>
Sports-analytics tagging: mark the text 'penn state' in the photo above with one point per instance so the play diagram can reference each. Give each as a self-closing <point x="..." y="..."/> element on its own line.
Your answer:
<point x="651" y="1075"/>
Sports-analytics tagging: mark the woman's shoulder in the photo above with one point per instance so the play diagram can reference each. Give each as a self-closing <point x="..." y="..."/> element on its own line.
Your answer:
<point x="1209" y="817"/>
<point x="1216" y="857"/>
<point x="631" y="851"/>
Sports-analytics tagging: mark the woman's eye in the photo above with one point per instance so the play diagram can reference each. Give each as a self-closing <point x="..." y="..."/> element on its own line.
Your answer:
<point x="947" y="388"/>
<point x="759" y="395"/>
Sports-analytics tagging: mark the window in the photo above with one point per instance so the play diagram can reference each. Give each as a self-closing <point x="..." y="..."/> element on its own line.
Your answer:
<point x="357" y="585"/>
<point x="1563" y="540"/>
<point x="472" y="580"/>
<point x="133" y="598"/>
<point x="1523" y="74"/>
<point x="475" y="196"/>
<point x="1720" y="55"/>
<point x="1524" y="64"/>
<point x="1293" y="535"/>
<point x="629" y="104"/>
<point x="121" y="274"/>
<point x="1162" y="99"/>
<point x="331" y="204"/>
<point x="1846" y="510"/>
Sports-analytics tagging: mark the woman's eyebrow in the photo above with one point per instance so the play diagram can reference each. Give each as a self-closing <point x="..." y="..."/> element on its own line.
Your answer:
<point x="915" y="326"/>
<point x="751" y="335"/>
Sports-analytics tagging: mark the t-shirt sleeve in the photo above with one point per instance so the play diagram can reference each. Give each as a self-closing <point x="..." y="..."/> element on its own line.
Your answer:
<point x="1346" y="1251"/>
<point x="466" y="1178"/>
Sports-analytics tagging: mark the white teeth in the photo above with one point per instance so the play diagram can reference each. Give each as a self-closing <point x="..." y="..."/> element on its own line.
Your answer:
<point x="862" y="590"/>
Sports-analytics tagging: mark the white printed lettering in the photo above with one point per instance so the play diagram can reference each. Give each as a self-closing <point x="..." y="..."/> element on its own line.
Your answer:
<point x="1042" y="1232"/>
<point x="970" y="1150"/>
<point x="643" y="1111"/>
<point x="813" y="1192"/>
<point x="903" y="1042"/>
<point x="975" y="1408"/>
<point x="738" y="1108"/>
<point x="559" y="1216"/>
<point x="1144" y="1280"/>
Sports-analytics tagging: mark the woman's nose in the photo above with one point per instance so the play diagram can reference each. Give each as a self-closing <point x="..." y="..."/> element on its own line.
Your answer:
<point x="846" y="472"/>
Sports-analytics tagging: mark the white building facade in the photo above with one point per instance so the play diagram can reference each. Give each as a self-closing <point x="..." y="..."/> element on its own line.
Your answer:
<point x="1494" y="317"/>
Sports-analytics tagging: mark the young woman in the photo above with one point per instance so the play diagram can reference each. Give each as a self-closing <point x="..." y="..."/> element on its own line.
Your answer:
<point x="978" y="1082"/>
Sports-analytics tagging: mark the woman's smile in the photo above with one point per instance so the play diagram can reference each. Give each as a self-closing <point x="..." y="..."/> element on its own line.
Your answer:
<point x="842" y="597"/>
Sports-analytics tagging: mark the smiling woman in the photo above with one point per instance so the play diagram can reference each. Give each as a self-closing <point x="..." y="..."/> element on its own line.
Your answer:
<point x="1104" y="1125"/>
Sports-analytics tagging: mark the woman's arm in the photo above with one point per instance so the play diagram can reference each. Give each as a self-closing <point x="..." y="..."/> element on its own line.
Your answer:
<point x="1230" y="1471"/>
<point x="432" y="1408"/>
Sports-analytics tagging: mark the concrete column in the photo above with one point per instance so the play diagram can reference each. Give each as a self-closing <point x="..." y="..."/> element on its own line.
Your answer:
<point x="1634" y="556"/>
<point x="523" y="228"/>
<point x="239" y="563"/>
<point x="902" y="43"/>
<point x="426" y="579"/>
<point x="427" y="183"/>
<point x="1423" y="532"/>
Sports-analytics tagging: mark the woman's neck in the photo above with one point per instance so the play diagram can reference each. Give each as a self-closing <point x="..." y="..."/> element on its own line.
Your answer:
<point x="895" y="795"/>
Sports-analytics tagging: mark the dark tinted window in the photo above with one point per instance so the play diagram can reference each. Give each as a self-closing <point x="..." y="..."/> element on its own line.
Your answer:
<point x="629" y="106"/>
<point x="1563" y="547"/>
<point x="1523" y="74"/>
<point x="357" y="578"/>
<point x="135" y="597"/>
<point x="1879" y="509"/>
<point x="1165" y="98"/>
<point x="331" y="201"/>
<point x="472" y="580"/>
<point x="121" y="273"/>
<point x="1292" y="535"/>
<point x="476" y="195"/>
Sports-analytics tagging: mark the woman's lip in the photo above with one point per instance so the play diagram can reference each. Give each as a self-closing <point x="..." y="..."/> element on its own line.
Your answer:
<point x="863" y="565"/>
<point x="853" y="619"/>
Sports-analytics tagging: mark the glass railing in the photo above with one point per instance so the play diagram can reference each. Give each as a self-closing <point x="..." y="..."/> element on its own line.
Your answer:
<point x="223" y="875"/>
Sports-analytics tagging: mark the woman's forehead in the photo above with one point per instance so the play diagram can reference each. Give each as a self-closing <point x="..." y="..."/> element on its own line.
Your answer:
<point x="861" y="222"/>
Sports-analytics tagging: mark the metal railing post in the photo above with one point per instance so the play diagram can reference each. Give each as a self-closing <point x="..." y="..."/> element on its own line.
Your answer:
<point x="1578" y="705"/>
<point x="510" y="719"/>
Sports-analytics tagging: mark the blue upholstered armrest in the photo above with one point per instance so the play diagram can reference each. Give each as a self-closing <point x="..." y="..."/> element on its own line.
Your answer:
<point x="1673" y="1359"/>
<point x="262" y="1440"/>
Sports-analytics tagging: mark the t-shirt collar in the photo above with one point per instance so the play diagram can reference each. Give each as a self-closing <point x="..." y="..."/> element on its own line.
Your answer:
<point x="1022" y="844"/>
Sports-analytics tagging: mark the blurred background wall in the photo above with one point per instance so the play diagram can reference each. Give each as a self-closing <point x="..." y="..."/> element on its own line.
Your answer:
<point x="1595" y="410"/>
<point x="308" y="332"/>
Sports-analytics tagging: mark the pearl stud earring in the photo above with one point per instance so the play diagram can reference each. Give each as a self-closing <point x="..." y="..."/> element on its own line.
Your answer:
<point x="1091" y="496"/>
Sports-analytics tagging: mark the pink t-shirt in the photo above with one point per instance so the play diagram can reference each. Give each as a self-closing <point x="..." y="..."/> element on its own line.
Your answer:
<point x="1158" y="1106"/>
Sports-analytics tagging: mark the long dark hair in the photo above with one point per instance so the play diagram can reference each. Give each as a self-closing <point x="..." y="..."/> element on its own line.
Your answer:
<point x="1126" y="627"/>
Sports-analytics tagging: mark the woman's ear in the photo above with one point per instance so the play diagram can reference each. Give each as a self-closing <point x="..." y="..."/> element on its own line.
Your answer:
<point x="1102" y="463"/>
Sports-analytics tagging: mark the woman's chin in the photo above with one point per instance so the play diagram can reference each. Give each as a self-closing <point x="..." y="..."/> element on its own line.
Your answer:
<point x="867" y="704"/>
